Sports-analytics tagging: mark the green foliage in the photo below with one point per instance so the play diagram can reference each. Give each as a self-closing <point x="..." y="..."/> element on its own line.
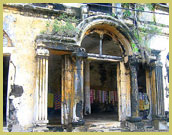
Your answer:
<point x="113" y="15"/>
<point x="151" y="29"/>
<point x="127" y="13"/>
<point x="63" y="25"/>
<point x="67" y="18"/>
<point x="150" y="6"/>
<point x="43" y="32"/>
<point x="135" y="49"/>
<point x="48" y="24"/>
<point x="108" y="14"/>
<point x="140" y="7"/>
<point x="145" y="35"/>
<point x="126" y="5"/>
<point x="162" y="25"/>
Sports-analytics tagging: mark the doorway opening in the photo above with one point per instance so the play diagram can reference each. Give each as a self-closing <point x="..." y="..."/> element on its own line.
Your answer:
<point x="103" y="92"/>
<point x="105" y="51"/>
<point x="143" y="97"/>
<point x="54" y="89"/>
<point x="5" y="87"/>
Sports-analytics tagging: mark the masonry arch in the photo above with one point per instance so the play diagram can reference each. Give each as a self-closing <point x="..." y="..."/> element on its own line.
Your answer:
<point x="116" y="29"/>
<point x="109" y="40"/>
<point x="7" y="42"/>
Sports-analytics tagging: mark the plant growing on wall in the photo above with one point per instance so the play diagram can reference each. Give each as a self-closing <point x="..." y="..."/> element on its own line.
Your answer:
<point x="141" y="7"/>
<point x="150" y="6"/>
<point x="145" y="34"/>
<point x="134" y="47"/>
<point x="126" y="13"/>
<point x="64" y="25"/>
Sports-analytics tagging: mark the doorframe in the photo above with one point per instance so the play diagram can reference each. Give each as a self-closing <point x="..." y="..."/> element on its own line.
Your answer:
<point x="110" y="59"/>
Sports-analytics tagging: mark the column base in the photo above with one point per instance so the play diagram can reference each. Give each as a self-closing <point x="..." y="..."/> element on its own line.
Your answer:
<point x="41" y="122"/>
<point x="78" y="123"/>
<point x="40" y="129"/>
<point x="160" y="124"/>
<point x="41" y="126"/>
<point x="134" y="119"/>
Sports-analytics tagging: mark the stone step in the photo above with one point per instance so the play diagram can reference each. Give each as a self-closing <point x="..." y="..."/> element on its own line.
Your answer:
<point x="5" y="129"/>
<point x="105" y="124"/>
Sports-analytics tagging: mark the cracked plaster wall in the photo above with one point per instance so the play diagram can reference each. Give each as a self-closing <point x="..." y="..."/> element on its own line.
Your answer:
<point x="22" y="30"/>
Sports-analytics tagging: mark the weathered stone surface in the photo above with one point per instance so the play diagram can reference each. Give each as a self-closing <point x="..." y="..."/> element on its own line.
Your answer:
<point x="22" y="25"/>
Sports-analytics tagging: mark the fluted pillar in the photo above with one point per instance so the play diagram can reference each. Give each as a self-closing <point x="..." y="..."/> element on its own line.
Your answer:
<point x="41" y="92"/>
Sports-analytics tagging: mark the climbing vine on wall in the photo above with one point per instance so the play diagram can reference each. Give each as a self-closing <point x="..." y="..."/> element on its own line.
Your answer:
<point x="145" y="34"/>
<point x="135" y="49"/>
<point x="141" y="7"/>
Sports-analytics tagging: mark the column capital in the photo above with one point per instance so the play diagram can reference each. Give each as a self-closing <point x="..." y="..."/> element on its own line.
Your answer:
<point x="42" y="52"/>
<point x="132" y="60"/>
<point x="80" y="53"/>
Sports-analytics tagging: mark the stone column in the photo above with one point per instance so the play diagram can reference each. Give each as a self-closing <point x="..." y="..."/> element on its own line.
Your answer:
<point x="79" y="94"/>
<point x="134" y="91"/>
<point x="87" y="107"/>
<point x="159" y="90"/>
<point x="158" y="114"/>
<point x="41" y="88"/>
<point x="67" y="90"/>
<point x="149" y="90"/>
<point x="153" y="90"/>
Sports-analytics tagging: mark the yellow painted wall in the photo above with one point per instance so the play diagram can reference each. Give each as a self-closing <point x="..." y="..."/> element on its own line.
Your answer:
<point x="22" y="31"/>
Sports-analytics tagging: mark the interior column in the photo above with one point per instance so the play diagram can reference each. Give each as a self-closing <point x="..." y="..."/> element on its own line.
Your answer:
<point x="79" y="94"/>
<point x="87" y="108"/>
<point x="67" y="90"/>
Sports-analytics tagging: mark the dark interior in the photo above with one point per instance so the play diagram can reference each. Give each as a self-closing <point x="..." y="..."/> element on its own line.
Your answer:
<point x="103" y="78"/>
<point x="91" y="44"/>
<point x="5" y="85"/>
<point x="103" y="91"/>
<point x="143" y="97"/>
<point x="54" y="89"/>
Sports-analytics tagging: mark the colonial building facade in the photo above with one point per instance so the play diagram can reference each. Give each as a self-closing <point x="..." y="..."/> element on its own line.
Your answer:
<point x="53" y="78"/>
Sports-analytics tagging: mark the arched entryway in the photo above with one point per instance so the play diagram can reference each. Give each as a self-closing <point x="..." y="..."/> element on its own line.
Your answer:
<point x="107" y="43"/>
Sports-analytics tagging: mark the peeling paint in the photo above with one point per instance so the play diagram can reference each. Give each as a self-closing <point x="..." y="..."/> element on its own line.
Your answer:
<point x="17" y="90"/>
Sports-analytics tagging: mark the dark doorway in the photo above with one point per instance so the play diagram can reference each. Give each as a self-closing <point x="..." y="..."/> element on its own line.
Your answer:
<point x="54" y="89"/>
<point x="103" y="91"/>
<point x="5" y="86"/>
<point x="143" y="97"/>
